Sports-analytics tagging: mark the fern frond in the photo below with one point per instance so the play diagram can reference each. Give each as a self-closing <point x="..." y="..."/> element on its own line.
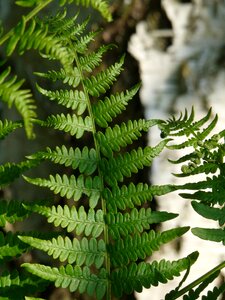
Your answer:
<point x="37" y="36"/>
<point x="195" y="294"/>
<point x="64" y="27"/>
<point x="211" y="234"/>
<point x="76" y="251"/>
<point x="92" y="60"/>
<point x="81" y="45"/>
<point x="99" y="84"/>
<point x="73" y="99"/>
<point x="11" y="212"/>
<point x="71" y="187"/>
<point x="12" y="94"/>
<point x="135" y="221"/>
<point x="123" y="135"/>
<point x="139" y="246"/>
<point x="85" y="160"/>
<point x="136" y="276"/>
<point x="100" y="5"/>
<point x="6" y="127"/>
<point x="10" y="246"/>
<point x="215" y="293"/>
<point x="133" y="195"/>
<point x="69" y="76"/>
<point x="104" y="111"/>
<point x="74" y="278"/>
<point x="89" y="223"/>
<point x="75" y="125"/>
<point x="11" y="171"/>
<point x="213" y="213"/>
<point x="16" y="286"/>
<point x="116" y="168"/>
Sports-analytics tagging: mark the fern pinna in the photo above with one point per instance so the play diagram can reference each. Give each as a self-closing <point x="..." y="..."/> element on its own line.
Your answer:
<point x="109" y="233"/>
<point x="205" y="156"/>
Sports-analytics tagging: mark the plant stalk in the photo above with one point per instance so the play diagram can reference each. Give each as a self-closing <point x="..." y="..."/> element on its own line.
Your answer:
<point x="198" y="281"/>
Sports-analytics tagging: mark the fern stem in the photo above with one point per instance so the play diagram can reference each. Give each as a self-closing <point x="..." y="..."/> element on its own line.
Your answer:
<point x="97" y="148"/>
<point x="199" y="280"/>
<point x="28" y="17"/>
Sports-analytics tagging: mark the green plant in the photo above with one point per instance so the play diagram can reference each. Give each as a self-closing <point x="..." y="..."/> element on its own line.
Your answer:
<point x="106" y="231"/>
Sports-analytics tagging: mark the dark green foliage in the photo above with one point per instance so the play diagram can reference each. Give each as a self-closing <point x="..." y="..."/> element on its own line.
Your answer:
<point x="108" y="237"/>
<point x="105" y="230"/>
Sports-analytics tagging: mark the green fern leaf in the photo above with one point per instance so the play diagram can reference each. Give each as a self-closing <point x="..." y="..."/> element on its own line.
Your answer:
<point x="73" y="124"/>
<point x="135" y="221"/>
<point x="75" y="278"/>
<point x="69" y="76"/>
<point x="133" y="195"/>
<point x="6" y="127"/>
<point x="70" y="187"/>
<point x="105" y="111"/>
<point x="195" y="294"/>
<point x="11" y="171"/>
<point x="81" y="252"/>
<point x="15" y="286"/>
<point x="75" y="100"/>
<point x="93" y="59"/>
<point x="64" y="27"/>
<point x="11" y="212"/>
<point x="85" y="160"/>
<point x="37" y="36"/>
<point x="213" y="213"/>
<point x="215" y="293"/>
<point x="99" y="84"/>
<point x="115" y="169"/>
<point x="211" y="234"/>
<point x="135" y="247"/>
<point x="134" y="277"/>
<point x="12" y="94"/>
<point x="89" y="223"/>
<point x="10" y="246"/>
<point x="81" y="45"/>
<point x="100" y="5"/>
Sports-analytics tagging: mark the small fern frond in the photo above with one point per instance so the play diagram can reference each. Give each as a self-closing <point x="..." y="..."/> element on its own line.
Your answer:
<point x="73" y="278"/>
<point x="11" y="212"/>
<point x="76" y="251"/>
<point x="104" y="111"/>
<point x="99" y="84"/>
<point x="100" y="5"/>
<point x="116" y="168"/>
<point x="213" y="213"/>
<point x="16" y="286"/>
<point x="215" y="293"/>
<point x="92" y="60"/>
<point x="6" y="127"/>
<point x="11" y="171"/>
<point x="75" y="125"/>
<point x="195" y="294"/>
<point x="12" y="94"/>
<point x="140" y="246"/>
<point x="81" y="222"/>
<point x="70" y="76"/>
<point x="72" y="187"/>
<point x="134" y="222"/>
<point x="123" y="135"/>
<point x="85" y="160"/>
<point x="133" y="195"/>
<point x="73" y="99"/>
<point x="136" y="276"/>
<point x="10" y="246"/>
<point x="211" y="234"/>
